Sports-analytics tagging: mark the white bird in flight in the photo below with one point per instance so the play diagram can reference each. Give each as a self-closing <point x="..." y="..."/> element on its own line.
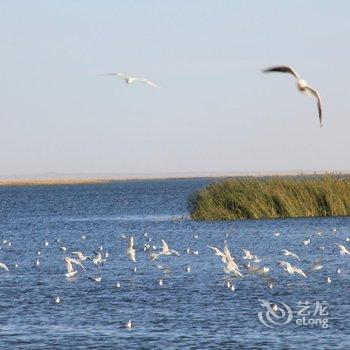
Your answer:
<point x="129" y="79"/>
<point x="342" y="249"/>
<point x="289" y="253"/>
<point x="81" y="256"/>
<point x="301" y="84"/>
<point x="130" y="251"/>
<point x="286" y="266"/>
<point x="316" y="266"/>
<point x="69" y="264"/>
<point x="3" y="266"/>
<point x="247" y="254"/>
<point x="98" y="258"/>
<point x="165" y="251"/>
<point x="218" y="252"/>
<point x="231" y="267"/>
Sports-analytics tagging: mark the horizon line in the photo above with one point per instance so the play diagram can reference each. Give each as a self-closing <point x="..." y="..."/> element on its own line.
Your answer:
<point x="66" y="178"/>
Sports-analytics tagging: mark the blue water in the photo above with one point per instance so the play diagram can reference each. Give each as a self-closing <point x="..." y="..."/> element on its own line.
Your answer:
<point x="192" y="309"/>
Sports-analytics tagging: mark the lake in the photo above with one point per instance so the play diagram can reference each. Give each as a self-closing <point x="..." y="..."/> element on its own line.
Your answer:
<point x="191" y="309"/>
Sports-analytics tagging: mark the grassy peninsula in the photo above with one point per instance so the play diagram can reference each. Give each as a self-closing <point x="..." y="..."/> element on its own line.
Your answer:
<point x="272" y="197"/>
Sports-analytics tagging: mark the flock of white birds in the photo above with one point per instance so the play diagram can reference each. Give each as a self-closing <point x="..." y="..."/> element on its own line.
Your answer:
<point x="252" y="264"/>
<point x="302" y="85"/>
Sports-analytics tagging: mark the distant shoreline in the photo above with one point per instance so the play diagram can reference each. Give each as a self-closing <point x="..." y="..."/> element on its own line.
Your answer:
<point x="70" y="180"/>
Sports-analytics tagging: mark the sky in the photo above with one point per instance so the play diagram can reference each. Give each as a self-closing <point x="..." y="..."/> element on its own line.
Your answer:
<point x="215" y="110"/>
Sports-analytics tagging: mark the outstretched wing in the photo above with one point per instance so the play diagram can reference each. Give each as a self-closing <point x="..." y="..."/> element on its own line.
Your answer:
<point x="246" y="252"/>
<point x="4" y="266"/>
<point x="319" y="102"/>
<point x="77" y="262"/>
<point x="295" y="256"/>
<point x="131" y="242"/>
<point x="227" y="252"/>
<point x="149" y="82"/>
<point x="121" y="75"/>
<point x="110" y="74"/>
<point x="300" y="272"/>
<point x="78" y="254"/>
<point x="282" y="69"/>
<point x="316" y="266"/>
<point x="165" y="247"/>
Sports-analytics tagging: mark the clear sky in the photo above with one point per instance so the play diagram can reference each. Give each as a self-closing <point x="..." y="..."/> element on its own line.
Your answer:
<point x="215" y="111"/>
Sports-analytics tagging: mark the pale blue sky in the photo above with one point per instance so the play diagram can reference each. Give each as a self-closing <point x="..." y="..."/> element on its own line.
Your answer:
<point x="215" y="112"/>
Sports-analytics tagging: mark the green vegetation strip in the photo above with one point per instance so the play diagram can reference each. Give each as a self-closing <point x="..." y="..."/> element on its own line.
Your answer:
<point x="272" y="197"/>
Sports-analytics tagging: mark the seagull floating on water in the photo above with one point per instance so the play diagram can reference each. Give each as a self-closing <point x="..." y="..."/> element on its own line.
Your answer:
<point x="307" y="241"/>
<point x="301" y="84"/>
<point x="127" y="325"/>
<point x="191" y="252"/>
<point x="96" y="279"/>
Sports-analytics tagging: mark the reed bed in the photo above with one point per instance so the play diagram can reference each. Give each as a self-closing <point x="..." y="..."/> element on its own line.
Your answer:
<point x="272" y="197"/>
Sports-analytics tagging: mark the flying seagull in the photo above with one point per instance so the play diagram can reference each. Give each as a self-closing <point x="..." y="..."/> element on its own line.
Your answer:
<point x="342" y="249"/>
<point x="165" y="251"/>
<point x="129" y="79"/>
<point x="301" y="84"/>
<point x="130" y="251"/>
<point x="81" y="256"/>
<point x="3" y="266"/>
<point x="286" y="266"/>
<point x="289" y="253"/>
<point x="69" y="265"/>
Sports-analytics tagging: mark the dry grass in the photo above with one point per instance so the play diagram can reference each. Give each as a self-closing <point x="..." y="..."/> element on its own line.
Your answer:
<point x="272" y="197"/>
